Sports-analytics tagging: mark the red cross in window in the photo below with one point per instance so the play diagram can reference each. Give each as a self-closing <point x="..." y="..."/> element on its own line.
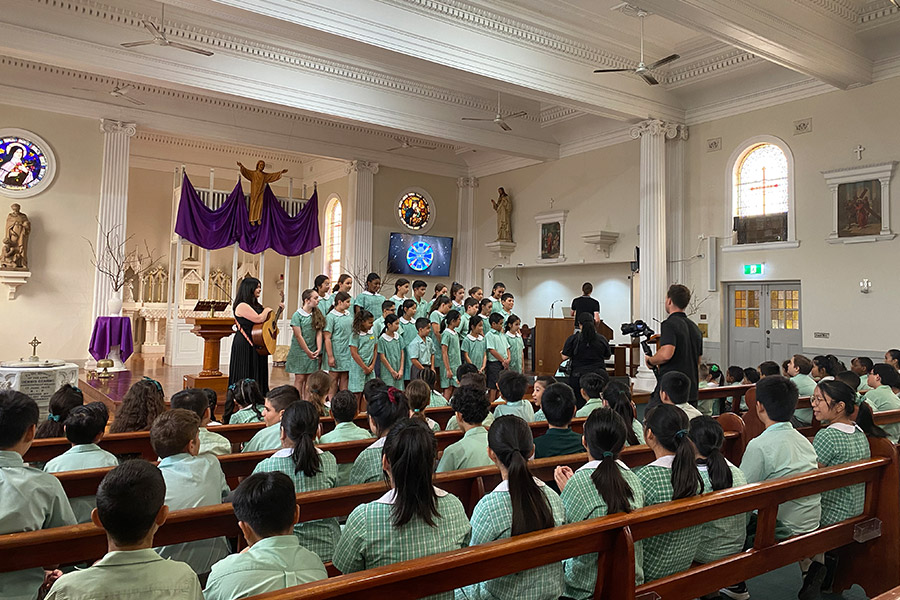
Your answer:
<point x="763" y="188"/>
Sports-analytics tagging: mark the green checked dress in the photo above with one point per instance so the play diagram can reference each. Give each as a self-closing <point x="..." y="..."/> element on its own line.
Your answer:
<point x="474" y="349"/>
<point x="365" y="344"/>
<point x="450" y="339"/>
<point x="391" y="347"/>
<point x="317" y="536"/>
<point x="516" y="350"/>
<point x="837" y="444"/>
<point x="297" y="360"/>
<point x="367" y="466"/>
<point x="722" y="537"/>
<point x="340" y="326"/>
<point x="247" y="415"/>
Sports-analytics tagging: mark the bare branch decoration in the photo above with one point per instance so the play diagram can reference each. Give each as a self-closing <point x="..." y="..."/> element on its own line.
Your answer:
<point x="112" y="258"/>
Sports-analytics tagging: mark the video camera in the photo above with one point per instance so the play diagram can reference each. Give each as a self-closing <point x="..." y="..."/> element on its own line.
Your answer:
<point x="639" y="329"/>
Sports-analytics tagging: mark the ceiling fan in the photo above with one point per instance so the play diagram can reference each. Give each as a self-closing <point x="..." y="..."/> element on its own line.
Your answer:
<point x="405" y="143"/>
<point x="643" y="70"/>
<point x="498" y="118"/>
<point x="160" y="39"/>
<point x="119" y="91"/>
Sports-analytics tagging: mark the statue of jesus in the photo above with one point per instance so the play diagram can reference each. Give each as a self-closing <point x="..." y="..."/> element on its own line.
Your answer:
<point x="503" y="207"/>
<point x="258" y="180"/>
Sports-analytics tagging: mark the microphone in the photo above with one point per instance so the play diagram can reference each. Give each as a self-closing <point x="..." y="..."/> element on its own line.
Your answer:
<point x="552" y="304"/>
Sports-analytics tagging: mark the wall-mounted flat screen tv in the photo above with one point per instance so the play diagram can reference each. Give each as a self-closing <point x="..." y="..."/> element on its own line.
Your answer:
<point x="414" y="255"/>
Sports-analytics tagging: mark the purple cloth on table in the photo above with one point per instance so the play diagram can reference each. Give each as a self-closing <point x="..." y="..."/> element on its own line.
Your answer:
<point x="230" y="223"/>
<point x="109" y="332"/>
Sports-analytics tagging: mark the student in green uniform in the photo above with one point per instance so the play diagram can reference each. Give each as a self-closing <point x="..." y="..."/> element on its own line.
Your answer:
<point x="318" y="387"/>
<point x="507" y="301"/>
<point x="457" y="297"/>
<point x="799" y="369"/>
<point x="472" y="346"/>
<point x="418" y="394"/>
<point x="306" y="342"/>
<point x="439" y="309"/>
<point x="29" y="499"/>
<point x="344" y="408"/>
<point x="269" y="438"/>
<point x="338" y="328"/>
<point x="485" y="308"/>
<point x="195" y="401"/>
<point x="673" y="475"/>
<point x="419" y="289"/>
<point x="781" y="451"/>
<point x="470" y="408"/>
<point x="265" y="505"/>
<point x="516" y="343"/>
<point x="675" y="389"/>
<point x="541" y="383"/>
<point x="468" y="376"/>
<point x="862" y="366"/>
<point x="310" y="469"/>
<point x="520" y="504"/>
<point x="617" y="397"/>
<point x="401" y="289"/>
<point x="370" y="299"/>
<point x="512" y="388"/>
<point x="470" y="309"/>
<point x="421" y="349"/>
<point x="496" y="294"/>
<point x="411" y="520"/>
<point x="363" y="351"/>
<point x="390" y="353"/>
<point x="130" y="508"/>
<point x="881" y="397"/>
<point x="602" y="486"/>
<point x="62" y="402"/>
<point x="450" y="353"/>
<point x="322" y="285"/>
<point x="387" y="308"/>
<point x="722" y="537"/>
<point x="497" y="350"/>
<point x="436" y="398"/>
<point x="408" y="334"/>
<point x="385" y="406"/>
<point x="558" y="403"/>
<point x="592" y="385"/>
<point x="192" y="480"/>
<point x="243" y="402"/>
<point x="476" y="293"/>
<point x="344" y="284"/>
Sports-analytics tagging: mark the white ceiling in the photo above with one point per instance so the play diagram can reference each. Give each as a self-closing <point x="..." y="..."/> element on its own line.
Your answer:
<point x="351" y="79"/>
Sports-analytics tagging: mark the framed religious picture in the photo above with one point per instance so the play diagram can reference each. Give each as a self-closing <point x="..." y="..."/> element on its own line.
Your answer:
<point x="551" y="236"/>
<point x="861" y="198"/>
<point x="27" y="163"/>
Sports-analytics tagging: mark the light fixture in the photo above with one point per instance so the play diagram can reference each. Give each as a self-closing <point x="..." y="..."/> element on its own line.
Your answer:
<point x="864" y="286"/>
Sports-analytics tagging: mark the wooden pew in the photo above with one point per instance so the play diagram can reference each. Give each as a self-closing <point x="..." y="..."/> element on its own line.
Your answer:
<point x="722" y="393"/>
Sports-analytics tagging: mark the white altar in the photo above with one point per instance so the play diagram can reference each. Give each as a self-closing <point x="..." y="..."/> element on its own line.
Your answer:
<point x="38" y="379"/>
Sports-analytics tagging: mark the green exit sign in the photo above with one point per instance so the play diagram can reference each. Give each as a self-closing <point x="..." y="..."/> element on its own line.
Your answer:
<point x="756" y="269"/>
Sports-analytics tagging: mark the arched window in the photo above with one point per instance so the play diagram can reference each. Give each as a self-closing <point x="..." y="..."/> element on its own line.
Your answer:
<point x="333" y="237"/>
<point x="761" y="189"/>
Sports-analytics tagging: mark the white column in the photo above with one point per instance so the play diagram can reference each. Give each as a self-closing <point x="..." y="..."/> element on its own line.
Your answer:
<point x="360" y="212"/>
<point x="113" y="209"/>
<point x="465" y="231"/>
<point x="675" y="240"/>
<point x="651" y="308"/>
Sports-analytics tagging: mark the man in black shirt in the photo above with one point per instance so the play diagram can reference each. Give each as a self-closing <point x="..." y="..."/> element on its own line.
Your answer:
<point x="680" y="343"/>
<point x="586" y="304"/>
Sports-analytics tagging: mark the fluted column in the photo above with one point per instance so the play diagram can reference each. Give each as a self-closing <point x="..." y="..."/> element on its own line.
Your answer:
<point x="465" y="231"/>
<point x="361" y="208"/>
<point x="675" y="240"/>
<point x="113" y="209"/>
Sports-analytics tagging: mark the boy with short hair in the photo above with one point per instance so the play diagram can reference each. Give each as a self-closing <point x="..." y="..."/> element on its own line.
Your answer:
<point x="265" y="505"/>
<point x="29" y="498"/>
<point x="470" y="309"/>
<point x="130" y="508"/>
<point x="344" y="408"/>
<point x="558" y="404"/>
<point x="592" y="385"/>
<point x="419" y="288"/>
<point x="541" y="383"/>
<point x="269" y="438"/>
<point x="84" y="428"/>
<point x="512" y="386"/>
<point x="387" y="308"/>
<point x="471" y="408"/>
<point x="675" y="388"/>
<point x="799" y="368"/>
<point x="195" y="400"/>
<point x="507" y="302"/>
<point x="734" y="375"/>
<point x="497" y="349"/>
<point x="768" y="368"/>
<point x="421" y="349"/>
<point x="192" y="480"/>
<point x="862" y="365"/>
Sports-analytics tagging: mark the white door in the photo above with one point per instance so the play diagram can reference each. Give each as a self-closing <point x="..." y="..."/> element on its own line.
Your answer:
<point x="763" y="323"/>
<point x="784" y="338"/>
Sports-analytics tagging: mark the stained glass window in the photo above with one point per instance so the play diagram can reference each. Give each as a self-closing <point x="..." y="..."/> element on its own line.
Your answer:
<point x="333" y="233"/>
<point x="414" y="210"/>
<point x="746" y="308"/>
<point x="761" y="182"/>
<point x="785" y="308"/>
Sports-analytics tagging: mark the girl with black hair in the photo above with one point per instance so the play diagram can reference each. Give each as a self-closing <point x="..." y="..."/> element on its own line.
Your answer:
<point x="62" y="402"/>
<point x="882" y="378"/>
<point x="370" y="299"/>
<point x="587" y="350"/>
<point x="892" y="357"/>
<point x="390" y="352"/>
<point x="457" y="297"/>
<point x="672" y="476"/>
<point x="408" y="333"/>
<point x="617" y="397"/>
<point x="726" y="536"/>
<point x="450" y="352"/>
<point x="440" y="289"/>
<point x="825" y="367"/>
<point x="413" y="519"/>
<point x="520" y="504"/>
<point x="473" y="345"/>
<point x="363" y="351"/>
<point x="246" y="362"/>
<point x="322" y="285"/>
<point x="401" y="289"/>
<point x="385" y="406"/>
<point x="436" y="313"/>
<point x="429" y="377"/>
<point x="245" y="397"/>
<point x="310" y="469"/>
<point x="338" y="328"/>
<point x="344" y="284"/>
<point x="306" y="340"/>
<point x="516" y="343"/>
<point x="602" y="486"/>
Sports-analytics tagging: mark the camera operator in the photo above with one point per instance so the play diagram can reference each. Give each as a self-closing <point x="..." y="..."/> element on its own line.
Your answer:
<point x="587" y="351"/>
<point x="680" y="343"/>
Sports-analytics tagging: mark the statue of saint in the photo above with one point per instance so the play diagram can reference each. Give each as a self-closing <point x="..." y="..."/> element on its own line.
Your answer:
<point x="258" y="180"/>
<point x="503" y="206"/>
<point x="15" y="241"/>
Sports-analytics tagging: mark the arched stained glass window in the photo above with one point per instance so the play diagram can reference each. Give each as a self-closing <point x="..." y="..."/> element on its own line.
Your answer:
<point x="333" y="237"/>
<point x="761" y="191"/>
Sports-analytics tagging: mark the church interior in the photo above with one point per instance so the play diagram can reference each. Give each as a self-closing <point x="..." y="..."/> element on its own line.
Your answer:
<point x="155" y="154"/>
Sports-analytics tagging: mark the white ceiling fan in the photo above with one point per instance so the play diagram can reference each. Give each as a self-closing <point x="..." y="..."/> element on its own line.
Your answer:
<point x="405" y="143"/>
<point x="499" y="119"/>
<point x="643" y="70"/>
<point x="119" y="91"/>
<point x="160" y="39"/>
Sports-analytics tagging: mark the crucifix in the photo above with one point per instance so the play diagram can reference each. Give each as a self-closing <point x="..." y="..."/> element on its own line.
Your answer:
<point x="763" y="187"/>
<point x="34" y="344"/>
<point x="859" y="150"/>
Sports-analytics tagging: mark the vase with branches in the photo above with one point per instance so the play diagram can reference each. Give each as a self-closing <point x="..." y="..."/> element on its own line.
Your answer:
<point x="112" y="258"/>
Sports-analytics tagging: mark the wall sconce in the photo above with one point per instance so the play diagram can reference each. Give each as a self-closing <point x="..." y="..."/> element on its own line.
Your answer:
<point x="865" y="286"/>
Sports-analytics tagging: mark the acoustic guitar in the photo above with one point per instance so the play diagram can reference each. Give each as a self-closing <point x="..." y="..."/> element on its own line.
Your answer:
<point x="265" y="334"/>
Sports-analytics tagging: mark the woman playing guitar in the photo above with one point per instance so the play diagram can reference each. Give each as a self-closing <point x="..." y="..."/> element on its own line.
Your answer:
<point x="246" y="362"/>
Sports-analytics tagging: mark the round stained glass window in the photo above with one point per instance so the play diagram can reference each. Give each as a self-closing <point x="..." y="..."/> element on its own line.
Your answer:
<point x="26" y="163"/>
<point x="414" y="210"/>
<point x="419" y="256"/>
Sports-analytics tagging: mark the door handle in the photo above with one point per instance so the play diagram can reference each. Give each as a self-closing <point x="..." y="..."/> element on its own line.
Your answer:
<point x="767" y="343"/>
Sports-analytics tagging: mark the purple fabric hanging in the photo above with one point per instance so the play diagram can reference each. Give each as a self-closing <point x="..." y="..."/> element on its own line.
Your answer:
<point x="230" y="223"/>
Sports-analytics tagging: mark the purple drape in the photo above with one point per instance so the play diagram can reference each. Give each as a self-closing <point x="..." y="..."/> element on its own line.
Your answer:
<point x="230" y="223"/>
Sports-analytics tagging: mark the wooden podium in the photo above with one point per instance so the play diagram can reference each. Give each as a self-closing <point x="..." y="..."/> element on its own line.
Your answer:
<point x="549" y="337"/>
<point x="212" y="330"/>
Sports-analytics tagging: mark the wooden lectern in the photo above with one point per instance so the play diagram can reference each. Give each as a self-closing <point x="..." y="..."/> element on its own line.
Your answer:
<point x="550" y="336"/>
<point x="212" y="330"/>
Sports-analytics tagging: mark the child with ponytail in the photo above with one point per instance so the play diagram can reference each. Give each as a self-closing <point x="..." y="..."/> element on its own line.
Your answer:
<point x="602" y="486"/>
<point x="244" y="395"/>
<point x="306" y="342"/>
<point x="318" y="387"/>
<point x="520" y="504"/>
<point x="438" y="311"/>
<point x="516" y="343"/>
<point x="338" y="328"/>
<point x="363" y="351"/>
<point x="408" y="334"/>
<point x="310" y="469"/>
<point x="617" y="396"/>
<point x="385" y="406"/>
<point x="450" y="353"/>
<point x="672" y="476"/>
<point x="418" y="394"/>
<point x="62" y="402"/>
<point x="390" y="352"/>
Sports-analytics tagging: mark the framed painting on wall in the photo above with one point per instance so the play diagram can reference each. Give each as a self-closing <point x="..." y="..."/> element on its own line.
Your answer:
<point x="551" y="236"/>
<point x="861" y="198"/>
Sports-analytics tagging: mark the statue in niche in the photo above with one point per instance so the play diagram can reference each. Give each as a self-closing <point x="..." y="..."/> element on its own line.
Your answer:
<point x="503" y="207"/>
<point x="15" y="241"/>
<point x="258" y="180"/>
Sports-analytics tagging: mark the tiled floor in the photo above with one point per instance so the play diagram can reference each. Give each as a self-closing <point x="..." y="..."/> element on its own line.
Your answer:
<point x="784" y="583"/>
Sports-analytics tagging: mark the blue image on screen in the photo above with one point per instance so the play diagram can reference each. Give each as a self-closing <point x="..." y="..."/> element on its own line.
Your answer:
<point x="427" y="255"/>
<point x="420" y="255"/>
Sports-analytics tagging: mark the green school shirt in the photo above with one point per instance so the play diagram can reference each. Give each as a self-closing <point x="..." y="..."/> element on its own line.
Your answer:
<point x="366" y="346"/>
<point x="421" y="349"/>
<point x="436" y="400"/>
<point x="521" y="408"/>
<point x="463" y="328"/>
<point x="398" y="303"/>
<point x="516" y="350"/>
<point x="247" y="415"/>
<point x="367" y="466"/>
<point x="540" y="416"/>
<point x="589" y="407"/>
<point x="806" y="386"/>
<point x="495" y="340"/>
<point x="883" y="398"/>
<point x="29" y="500"/>
<point x="408" y="334"/>
<point x="582" y="501"/>
<point x="140" y="574"/>
<point x="267" y="438"/>
<point x="297" y="360"/>
<point x="76" y="458"/>
<point x="863" y="384"/>
<point x="378" y="326"/>
<point x="450" y="339"/>
<point x="318" y="536"/>
<point x="638" y="430"/>
<point x="835" y="445"/>
<point x="722" y="537"/>
<point x="496" y="306"/>
<point x="391" y="347"/>
<point x="345" y="432"/>
<point x="369" y="301"/>
<point x="271" y="564"/>
<point x="436" y="318"/>
<point x="325" y="302"/>
<point x="340" y="325"/>
<point x="213" y="443"/>
<point x="467" y="453"/>
<point x="475" y="350"/>
<point x="557" y="442"/>
<point x="422" y="308"/>
<point x="453" y="425"/>
<point x="780" y="451"/>
<point x="191" y="482"/>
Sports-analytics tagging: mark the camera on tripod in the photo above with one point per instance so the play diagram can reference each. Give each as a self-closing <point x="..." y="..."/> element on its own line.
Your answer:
<point x="639" y="329"/>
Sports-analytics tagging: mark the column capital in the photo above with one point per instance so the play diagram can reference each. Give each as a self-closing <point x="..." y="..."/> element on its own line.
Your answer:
<point x="467" y="182"/>
<point x="658" y="127"/>
<point x="113" y="126"/>
<point x="357" y="166"/>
